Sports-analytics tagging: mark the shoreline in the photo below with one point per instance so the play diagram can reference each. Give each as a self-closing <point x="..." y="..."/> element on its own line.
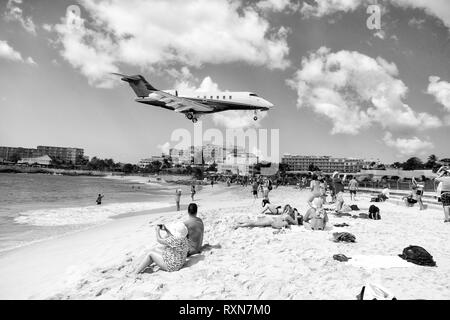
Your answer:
<point x="258" y="263"/>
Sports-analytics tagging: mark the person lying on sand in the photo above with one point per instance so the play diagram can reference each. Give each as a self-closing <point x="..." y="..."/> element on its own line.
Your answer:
<point x="316" y="217"/>
<point x="195" y="230"/>
<point x="269" y="208"/>
<point x="172" y="256"/>
<point x="276" y="222"/>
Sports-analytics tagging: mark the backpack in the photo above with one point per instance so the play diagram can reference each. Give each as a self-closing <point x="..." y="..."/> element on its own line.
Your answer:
<point x="418" y="255"/>
<point x="374" y="212"/>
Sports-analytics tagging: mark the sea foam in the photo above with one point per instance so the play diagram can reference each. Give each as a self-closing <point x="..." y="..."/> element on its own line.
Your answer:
<point x="83" y="215"/>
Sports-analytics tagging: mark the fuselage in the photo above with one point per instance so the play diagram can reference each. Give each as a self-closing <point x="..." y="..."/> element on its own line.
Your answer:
<point x="221" y="101"/>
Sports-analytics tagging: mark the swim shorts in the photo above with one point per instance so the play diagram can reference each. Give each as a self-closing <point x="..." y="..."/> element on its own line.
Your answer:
<point x="445" y="199"/>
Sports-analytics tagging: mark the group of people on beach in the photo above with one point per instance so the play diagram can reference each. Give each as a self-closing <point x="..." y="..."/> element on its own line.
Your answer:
<point x="179" y="240"/>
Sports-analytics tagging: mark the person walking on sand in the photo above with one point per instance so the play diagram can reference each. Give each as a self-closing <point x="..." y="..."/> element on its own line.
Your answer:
<point x="175" y="248"/>
<point x="255" y="189"/>
<point x="177" y="198"/>
<point x="352" y="187"/>
<point x="192" y="192"/>
<point x="195" y="228"/>
<point x="444" y="177"/>
<point x="99" y="199"/>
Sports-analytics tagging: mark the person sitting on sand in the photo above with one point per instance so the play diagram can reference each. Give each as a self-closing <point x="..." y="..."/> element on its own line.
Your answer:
<point x="316" y="217"/>
<point x="269" y="208"/>
<point x="276" y="222"/>
<point x="99" y="199"/>
<point x="195" y="230"/>
<point x="175" y="248"/>
<point x="411" y="199"/>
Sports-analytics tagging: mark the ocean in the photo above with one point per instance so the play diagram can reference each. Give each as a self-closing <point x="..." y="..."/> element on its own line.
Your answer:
<point x="34" y="207"/>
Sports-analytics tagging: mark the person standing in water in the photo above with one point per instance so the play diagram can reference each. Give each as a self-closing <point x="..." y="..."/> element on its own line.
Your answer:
<point x="99" y="199"/>
<point x="177" y="198"/>
<point x="192" y="192"/>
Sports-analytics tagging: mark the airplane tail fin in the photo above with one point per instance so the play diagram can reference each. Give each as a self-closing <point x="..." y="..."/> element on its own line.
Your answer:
<point x="138" y="83"/>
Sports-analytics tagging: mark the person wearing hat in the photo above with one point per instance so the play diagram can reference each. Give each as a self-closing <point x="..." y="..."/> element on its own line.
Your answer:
<point x="175" y="248"/>
<point x="316" y="218"/>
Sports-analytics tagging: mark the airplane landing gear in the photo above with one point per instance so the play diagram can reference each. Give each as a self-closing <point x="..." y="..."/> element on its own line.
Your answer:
<point x="255" y="117"/>
<point x="189" y="115"/>
<point x="194" y="120"/>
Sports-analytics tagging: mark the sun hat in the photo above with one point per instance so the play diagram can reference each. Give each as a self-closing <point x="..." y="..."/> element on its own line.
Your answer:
<point x="317" y="203"/>
<point x="177" y="229"/>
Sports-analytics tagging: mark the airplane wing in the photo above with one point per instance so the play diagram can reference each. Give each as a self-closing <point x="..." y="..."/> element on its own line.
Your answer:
<point x="183" y="105"/>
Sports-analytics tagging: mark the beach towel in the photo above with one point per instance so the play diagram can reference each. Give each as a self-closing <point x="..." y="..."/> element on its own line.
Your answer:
<point x="418" y="255"/>
<point x="363" y="216"/>
<point x="343" y="237"/>
<point x="374" y="292"/>
<point x="378" y="262"/>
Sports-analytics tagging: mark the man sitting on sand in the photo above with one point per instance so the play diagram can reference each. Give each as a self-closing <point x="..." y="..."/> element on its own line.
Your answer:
<point x="195" y="230"/>
<point x="316" y="218"/>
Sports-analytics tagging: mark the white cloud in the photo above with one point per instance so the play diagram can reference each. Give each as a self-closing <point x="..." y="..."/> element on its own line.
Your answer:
<point x="7" y="52"/>
<point x="440" y="89"/>
<point x="408" y="146"/>
<point x="278" y="5"/>
<point x="165" y="148"/>
<point x="30" y="60"/>
<point x="416" y="23"/>
<point x="356" y="91"/>
<point x="149" y="34"/>
<point x="439" y="9"/>
<point x="321" y="8"/>
<point x="47" y="27"/>
<point x="233" y="119"/>
<point x="436" y="8"/>
<point x="15" y="13"/>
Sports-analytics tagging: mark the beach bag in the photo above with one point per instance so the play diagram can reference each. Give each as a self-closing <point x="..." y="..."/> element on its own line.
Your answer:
<point x="374" y="212"/>
<point x="418" y="255"/>
<point x="354" y="207"/>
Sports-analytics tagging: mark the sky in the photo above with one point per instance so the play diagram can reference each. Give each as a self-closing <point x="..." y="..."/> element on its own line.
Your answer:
<point x="341" y="86"/>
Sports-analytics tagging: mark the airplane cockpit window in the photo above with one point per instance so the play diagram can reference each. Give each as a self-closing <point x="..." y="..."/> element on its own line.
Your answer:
<point x="224" y="97"/>
<point x="253" y="95"/>
<point x="231" y="97"/>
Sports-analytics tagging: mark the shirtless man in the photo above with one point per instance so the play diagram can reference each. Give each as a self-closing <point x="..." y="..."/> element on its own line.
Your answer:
<point x="195" y="230"/>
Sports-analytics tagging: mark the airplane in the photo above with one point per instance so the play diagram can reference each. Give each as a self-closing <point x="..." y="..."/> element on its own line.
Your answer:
<point x="195" y="104"/>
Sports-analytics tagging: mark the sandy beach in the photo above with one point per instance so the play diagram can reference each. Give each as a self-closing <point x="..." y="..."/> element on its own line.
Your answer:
<point x="258" y="263"/>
